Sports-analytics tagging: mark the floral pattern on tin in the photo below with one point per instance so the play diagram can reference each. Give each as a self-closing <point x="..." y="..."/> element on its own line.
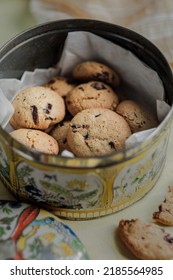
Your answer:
<point x="136" y="176"/>
<point x="60" y="189"/>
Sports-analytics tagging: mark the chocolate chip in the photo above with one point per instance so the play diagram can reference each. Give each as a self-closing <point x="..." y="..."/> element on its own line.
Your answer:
<point x="49" y="118"/>
<point x="112" y="145"/>
<point x="98" y="86"/>
<point x="75" y="127"/>
<point x="85" y="126"/>
<point x="103" y="76"/>
<point x="168" y="238"/>
<point x="48" y="108"/>
<point x="96" y="116"/>
<point x="34" y="112"/>
<point x="81" y="88"/>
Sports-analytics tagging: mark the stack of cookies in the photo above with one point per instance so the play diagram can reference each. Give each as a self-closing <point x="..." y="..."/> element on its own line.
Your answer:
<point x="84" y="114"/>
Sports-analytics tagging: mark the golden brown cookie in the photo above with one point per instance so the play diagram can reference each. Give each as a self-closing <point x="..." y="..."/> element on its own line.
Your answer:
<point x="92" y="70"/>
<point x="146" y="241"/>
<point x="165" y="213"/>
<point x="59" y="133"/>
<point x="138" y="117"/>
<point x="37" y="107"/>
<point x="36" y="139"/>
<point x="62" y="85"/>
<point x="97" y="131"/>
<point x="93" y="94"/>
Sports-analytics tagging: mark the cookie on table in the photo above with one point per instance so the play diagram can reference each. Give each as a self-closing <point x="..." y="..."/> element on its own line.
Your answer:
<point x="138" y="117"/>
<point x="97" y="131"/>
<point x="37" y="107"/>
<point x="36" y="139"/>
<point x="62" y="85"/>
<point x="59" y="133"/>
<point x="146" y="241"/>
<point x="164" y="215"/>
<point x="92" y="70"/>
<point x="91" y="95"/>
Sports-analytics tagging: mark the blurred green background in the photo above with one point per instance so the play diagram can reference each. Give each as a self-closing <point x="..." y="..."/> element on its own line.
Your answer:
<point x="15" y="17"/>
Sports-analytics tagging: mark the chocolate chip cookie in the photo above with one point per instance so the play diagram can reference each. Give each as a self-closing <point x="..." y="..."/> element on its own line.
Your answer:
<point x="164" y="215"/>
<point x="146" y="241"/>
<point x="62" y="85"/>
<point x="138" y="117"/>
<point x="93" y="94"/>
<point x="97" y="131"/>
<point x="36" y="139"/>
<point x="59" y="133"/>
<point x="37" y="107"/>
<point x="92" y="70"/>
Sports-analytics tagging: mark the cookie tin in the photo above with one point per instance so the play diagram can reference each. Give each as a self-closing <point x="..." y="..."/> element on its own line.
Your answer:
<point x="82" y="188"/>
<point x="30" y="233"/>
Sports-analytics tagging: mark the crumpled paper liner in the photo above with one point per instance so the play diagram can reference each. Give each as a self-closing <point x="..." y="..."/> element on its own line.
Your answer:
<point x="6" y="109"/>
<point x="138" y="81"/>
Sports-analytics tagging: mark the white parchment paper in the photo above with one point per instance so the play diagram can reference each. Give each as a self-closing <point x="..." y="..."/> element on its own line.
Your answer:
<point x="138" y="81"/>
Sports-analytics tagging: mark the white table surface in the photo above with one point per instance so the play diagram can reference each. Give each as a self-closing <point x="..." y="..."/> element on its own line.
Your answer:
<point x="99" y="235"/>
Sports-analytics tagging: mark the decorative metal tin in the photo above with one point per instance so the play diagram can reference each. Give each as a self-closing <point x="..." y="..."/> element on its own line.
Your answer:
<point x="82" y="188"/>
